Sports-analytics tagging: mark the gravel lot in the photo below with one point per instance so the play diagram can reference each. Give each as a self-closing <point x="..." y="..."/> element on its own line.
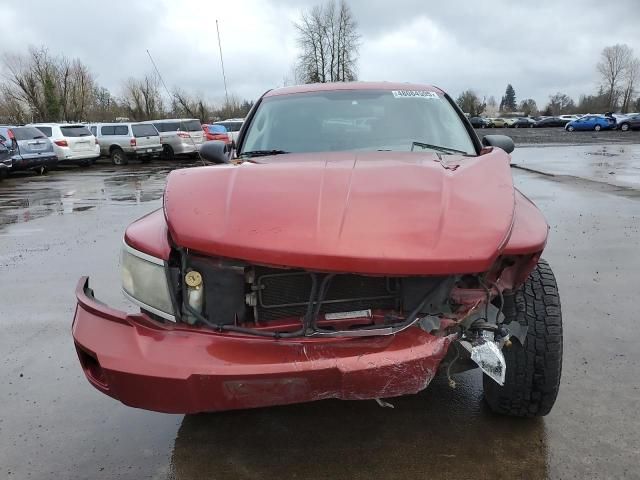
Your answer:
<point x="53" y="424"/>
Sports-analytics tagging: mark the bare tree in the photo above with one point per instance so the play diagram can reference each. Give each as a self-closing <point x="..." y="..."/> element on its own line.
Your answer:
<point x="612" y="66"/>
<point x="631" y="75"/>
<point x="141" y="98"/>
<point x="50" y="88"/>
<point x="470" y="103"/>
<point x="560" y="103"/>
<point x="329" y="43"/>
<point x="194" y="106"/>
<point x="11" y="108"/>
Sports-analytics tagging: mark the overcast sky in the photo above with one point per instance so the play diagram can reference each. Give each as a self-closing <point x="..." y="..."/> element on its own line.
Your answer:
<point x="541" y="47"/>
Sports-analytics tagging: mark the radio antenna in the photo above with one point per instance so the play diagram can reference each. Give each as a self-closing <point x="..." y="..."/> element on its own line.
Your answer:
<point x="224" y="77"/>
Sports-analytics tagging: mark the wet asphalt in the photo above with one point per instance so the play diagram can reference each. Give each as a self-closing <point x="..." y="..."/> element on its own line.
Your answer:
<point x="53" y="424"/>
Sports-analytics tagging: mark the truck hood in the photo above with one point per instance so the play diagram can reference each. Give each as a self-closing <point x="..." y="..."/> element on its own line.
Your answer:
<point x="385" y="213"/>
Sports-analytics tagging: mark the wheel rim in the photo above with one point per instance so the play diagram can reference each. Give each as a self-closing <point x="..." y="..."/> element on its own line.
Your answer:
<point x="624" y="127"/>
<point x="117" y="158"/>
<point x="570" y="129"/>
<point x="597" y="128"/>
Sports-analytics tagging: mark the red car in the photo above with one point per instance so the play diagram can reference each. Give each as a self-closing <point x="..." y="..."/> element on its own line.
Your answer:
<point x="216" y="132"/>
<point x="359" y="240"/>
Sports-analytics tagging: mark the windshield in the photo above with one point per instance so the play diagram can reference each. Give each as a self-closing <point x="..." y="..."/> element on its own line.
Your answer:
<point x="48" y="131"/>
<point x="191" y="126"/>
<point x="144" y="130"/>
<point x="75" y="131"/>
<point x="357" y="120"/>
<point x="27" y="133"/>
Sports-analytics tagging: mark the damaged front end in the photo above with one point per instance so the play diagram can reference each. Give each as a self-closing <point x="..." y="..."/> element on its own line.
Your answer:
<point x="230" y="296"/>
<point x="217" y="334"/>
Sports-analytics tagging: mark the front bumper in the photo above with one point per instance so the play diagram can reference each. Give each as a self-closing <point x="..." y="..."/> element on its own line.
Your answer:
<point x="178" y="369"/>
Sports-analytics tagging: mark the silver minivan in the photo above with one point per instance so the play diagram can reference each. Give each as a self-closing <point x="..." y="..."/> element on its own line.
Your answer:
<point x="180" y="136"/>
<point x="123" y="141"/>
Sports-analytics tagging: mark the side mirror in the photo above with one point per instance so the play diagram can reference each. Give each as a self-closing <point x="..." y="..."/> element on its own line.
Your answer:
<point x="215" y="151"/>
<point x="501" y="141"/>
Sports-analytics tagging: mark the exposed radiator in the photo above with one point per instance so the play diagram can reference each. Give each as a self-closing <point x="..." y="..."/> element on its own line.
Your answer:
<point x="286" y="293"/>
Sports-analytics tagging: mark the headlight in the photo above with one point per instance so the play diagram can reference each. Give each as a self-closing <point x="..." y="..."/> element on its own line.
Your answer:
<point x="145" y="283"/>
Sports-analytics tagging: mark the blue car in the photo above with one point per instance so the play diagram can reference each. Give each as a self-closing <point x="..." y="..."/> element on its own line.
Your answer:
<point x="591" y="122"/>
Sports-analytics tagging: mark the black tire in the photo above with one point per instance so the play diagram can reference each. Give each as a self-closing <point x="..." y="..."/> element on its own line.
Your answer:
<point x="42" y="170"/>
<point x="624" y="127"/>
<point x="570" y="128"/>
<point x="597" y="128"/>
<point x="118" y="157"/>
<point x="4" y="173"/>
<point x="168" y="153"/>
<point x="533" y="369"/>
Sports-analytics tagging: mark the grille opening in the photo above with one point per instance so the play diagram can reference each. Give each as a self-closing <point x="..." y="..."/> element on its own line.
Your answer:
<point x="283" y="294"/>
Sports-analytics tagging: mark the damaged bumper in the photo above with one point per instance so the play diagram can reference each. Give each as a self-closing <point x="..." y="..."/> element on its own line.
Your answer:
<point x="186" y="370"/>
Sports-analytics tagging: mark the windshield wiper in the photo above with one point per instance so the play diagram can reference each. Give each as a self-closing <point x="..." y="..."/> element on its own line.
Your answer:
<point x="437" y="148"/>
<point x="261" y="153"/>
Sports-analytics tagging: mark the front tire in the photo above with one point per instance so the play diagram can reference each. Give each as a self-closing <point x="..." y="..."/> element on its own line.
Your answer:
<point x="624" y="127"/>
<point x="597" y="128"/>
<point x="533" y="369"/>
<point x="570" y="128"/>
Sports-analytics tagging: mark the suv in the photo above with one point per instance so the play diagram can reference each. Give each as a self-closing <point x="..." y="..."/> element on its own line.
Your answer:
<point x="72" y="143"/>
<point x="180" y="136"/>
<point x="233" y="126"/>
<point x="28" y="148"/>
<point x="122" y="141"/>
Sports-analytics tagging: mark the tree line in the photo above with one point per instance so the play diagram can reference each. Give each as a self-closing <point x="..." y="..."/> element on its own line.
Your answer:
<point x="39" y="86"/>
<point x="619" y="72"/>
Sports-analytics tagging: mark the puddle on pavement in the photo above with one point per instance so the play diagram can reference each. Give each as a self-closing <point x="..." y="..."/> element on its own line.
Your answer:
<point x="613" y="164"/>
<point x="439" y="433"/>
<point x="71" y="191"/>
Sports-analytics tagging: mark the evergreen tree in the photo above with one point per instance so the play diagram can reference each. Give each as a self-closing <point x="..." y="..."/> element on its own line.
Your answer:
<point x="51" y="101"/>
<point x="509" y="100"/>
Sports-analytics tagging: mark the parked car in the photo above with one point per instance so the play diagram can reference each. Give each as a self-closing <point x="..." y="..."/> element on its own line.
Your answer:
<point x="591" y="122"/>
<point x="479" y="122"/>
<point x="233" y="126"/>
<point x="5" y="161"/>
<point x="216" y="132"/>
<point x="300" y="271"/>
<point x="631" y="122"/>
<point x="523" y="122"/>
<point x="509" y="122"/>
<point x="180" y="136"/>
<point x="28" y="148"/>
<point x="550" y="122"/>
<point x="73" y="143"/>
<point x="125" y="141"/>
<point x="568" y="118"/>
<point x="496" y="123"/>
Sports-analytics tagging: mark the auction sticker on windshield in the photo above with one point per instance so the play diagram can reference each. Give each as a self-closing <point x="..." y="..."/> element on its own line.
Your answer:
<point x="413" y="94"/>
